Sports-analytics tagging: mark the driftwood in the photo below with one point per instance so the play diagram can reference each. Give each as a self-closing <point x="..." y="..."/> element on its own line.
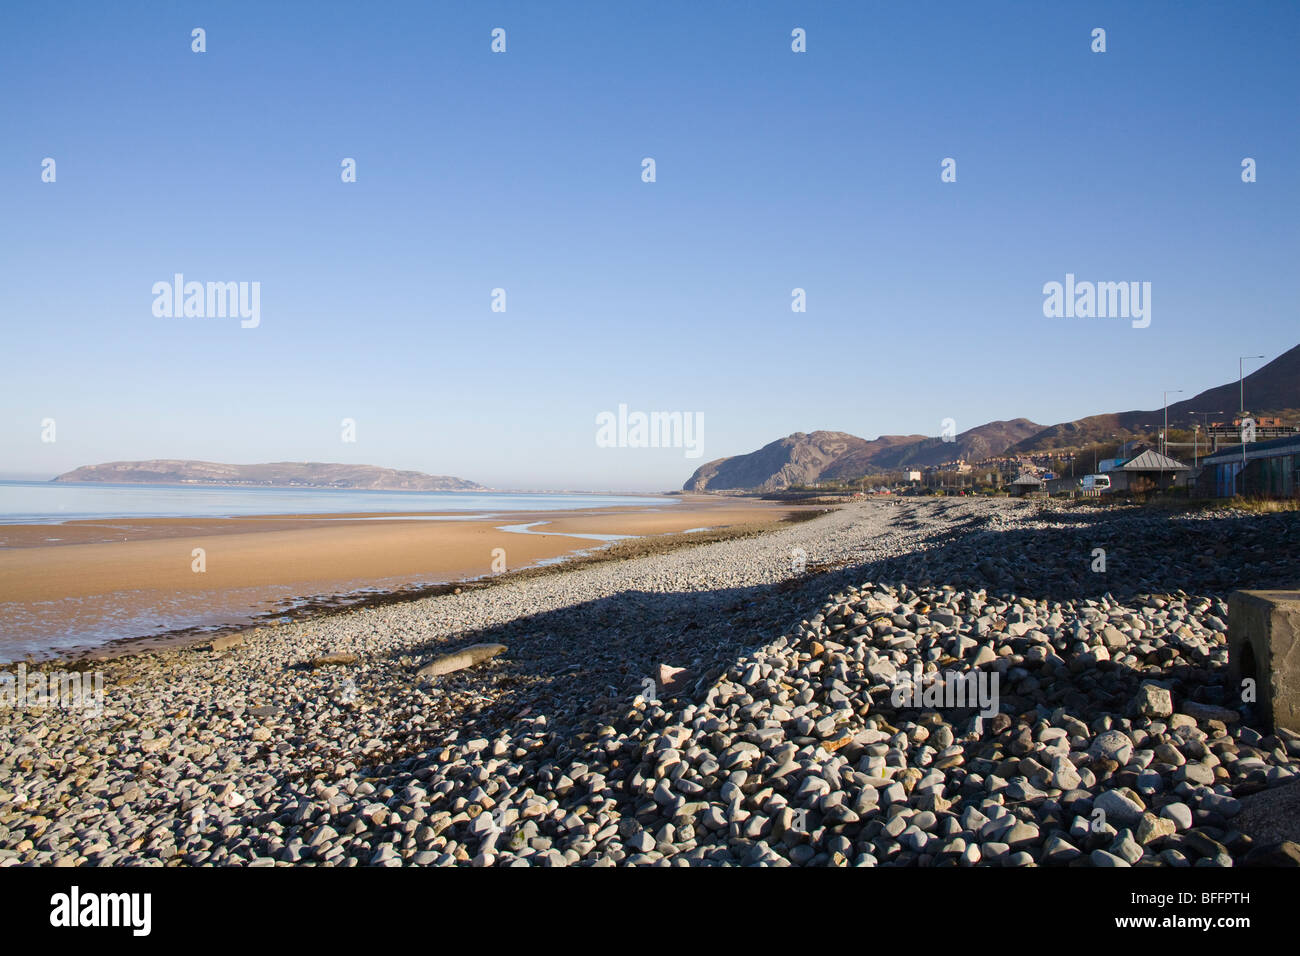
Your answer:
<point x="459" y="660"/>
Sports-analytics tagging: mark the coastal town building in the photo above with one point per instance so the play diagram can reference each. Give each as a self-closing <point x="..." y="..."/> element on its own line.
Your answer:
<point x="1149" y="471"/>
<point x="1026" y="484"/>
<point x="1266" y="428"/>
<point x="1266" y="469"/>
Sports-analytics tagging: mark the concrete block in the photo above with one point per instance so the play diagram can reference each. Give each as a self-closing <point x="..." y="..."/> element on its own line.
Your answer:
<point x="1264" y="644"/>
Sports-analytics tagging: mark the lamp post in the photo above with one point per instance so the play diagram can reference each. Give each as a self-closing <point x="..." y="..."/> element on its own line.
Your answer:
<point x="1205" y="418"/>
<point x="1164" y="437"/>
<point x="1241" y="378"/>
<point x="1196" y="435"/>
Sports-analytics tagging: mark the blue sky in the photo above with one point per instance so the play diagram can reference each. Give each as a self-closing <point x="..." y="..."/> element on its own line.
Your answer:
<point x="522" y="171"/>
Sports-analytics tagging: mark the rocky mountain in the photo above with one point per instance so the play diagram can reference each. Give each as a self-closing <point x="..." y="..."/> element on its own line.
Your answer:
<point x="1273" y="389"/>
<point x="804" y="458"/>
<point x="283" y="474"/>
<point x="983" y="441"/>
<point x="793" y="460"/>
<point x="858" y="461"/>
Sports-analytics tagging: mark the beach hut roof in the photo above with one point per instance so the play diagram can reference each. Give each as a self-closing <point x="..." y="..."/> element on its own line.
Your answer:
<point x="1153" y="461"/>
<point x="1025" y="478"/>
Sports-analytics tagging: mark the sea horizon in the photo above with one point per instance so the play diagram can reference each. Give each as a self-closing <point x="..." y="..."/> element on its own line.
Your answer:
<point x="51" y="502"/>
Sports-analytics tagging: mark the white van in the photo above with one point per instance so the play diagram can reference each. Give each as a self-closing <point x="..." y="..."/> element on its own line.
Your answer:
<point x="1098" y="483"/>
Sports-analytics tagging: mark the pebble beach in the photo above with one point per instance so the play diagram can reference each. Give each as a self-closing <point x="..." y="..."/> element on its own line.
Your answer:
<point x="733" y="703"/>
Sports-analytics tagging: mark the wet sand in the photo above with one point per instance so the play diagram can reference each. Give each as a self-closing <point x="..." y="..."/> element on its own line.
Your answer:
<point x="108" y="580"/>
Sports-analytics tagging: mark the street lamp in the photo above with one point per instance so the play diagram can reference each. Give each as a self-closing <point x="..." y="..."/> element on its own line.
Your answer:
<point x="1205" y="417"/>
<point x="1241" y="383"/>
<point x="1164" y="437"/>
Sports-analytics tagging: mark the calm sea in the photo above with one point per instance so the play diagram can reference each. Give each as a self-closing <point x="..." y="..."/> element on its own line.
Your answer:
<point x="44" y="502"/>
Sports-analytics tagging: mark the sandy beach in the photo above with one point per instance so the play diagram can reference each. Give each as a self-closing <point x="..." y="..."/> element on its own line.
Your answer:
<point x="87" y="582"/>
